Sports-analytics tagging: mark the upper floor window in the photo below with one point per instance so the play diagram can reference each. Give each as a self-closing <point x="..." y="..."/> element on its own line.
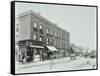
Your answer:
<point x="55" y="43"/>
<point x="41" y="38"/>
<point x="17" y="36"/>
<point x="58" y="35"/>
<point x="60" y="45"/>
<point x="17" y="29"/>
<point x="55" y="34"/>
<point x="35" y="24"/>
<point x="47" y="31"/>
<point x="51" y="40"/>
<point x="47" y="40"/>
<point x="34" y="37"/>
<point x="63" y="37"/>
<point x="51" y="32"/>
<point x="41" y="26"/>
<point x="17" y="24"/>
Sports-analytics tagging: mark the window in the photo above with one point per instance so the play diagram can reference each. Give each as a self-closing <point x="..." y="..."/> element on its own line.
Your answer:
<point x="17" y="29"/>
<point x="17" y="24"/>
<point x="47" y="40"/>
<point x="62" y="36"/>
<point x="51" y="40"/>
<point x="47" y="31"/>
<point x="58" y="43"/>
<point x="41" y="27"/>
<point x="35" y="24"/>
<point x="41" y="38"/>
<point x="63" y="45"/>
<point x="55" y="42"/>
<point x="36" y="52"/>
<point x="30" y="43"/>
<point x="34" y="37"/>
<point x="51" y="32"/>
<point x="58" y="35"/>
<point x="17" y="36"/>
<point x="55" y="34"/>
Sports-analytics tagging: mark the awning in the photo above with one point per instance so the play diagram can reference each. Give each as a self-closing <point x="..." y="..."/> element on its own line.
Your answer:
<point x="52" y="48"/>
<point x="35" y="46"/>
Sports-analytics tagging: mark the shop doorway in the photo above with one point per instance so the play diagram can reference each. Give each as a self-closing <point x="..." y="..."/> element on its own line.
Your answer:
<point x="30" y="55"/>
<point x="36" y="54"/>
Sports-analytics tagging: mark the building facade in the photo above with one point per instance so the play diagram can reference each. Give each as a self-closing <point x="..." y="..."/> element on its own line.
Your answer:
<point x="35" y="35"/>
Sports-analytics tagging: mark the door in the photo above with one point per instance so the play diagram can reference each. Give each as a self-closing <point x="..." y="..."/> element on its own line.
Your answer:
<point x="30" y="54"/>
<point x="36" y="55"/>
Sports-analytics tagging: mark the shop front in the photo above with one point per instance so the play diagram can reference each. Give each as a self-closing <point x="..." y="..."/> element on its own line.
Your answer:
<point x="62" y="53"/>
<point x="37" y="52"/>
<point x="52" y="52"/>
<point x="30" y="52"/>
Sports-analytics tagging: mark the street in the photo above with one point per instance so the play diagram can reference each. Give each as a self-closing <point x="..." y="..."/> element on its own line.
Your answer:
<point x="58" y="65"/>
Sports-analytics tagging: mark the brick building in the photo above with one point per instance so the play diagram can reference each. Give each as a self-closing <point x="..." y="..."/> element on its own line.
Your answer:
<point x="36" y="37"/>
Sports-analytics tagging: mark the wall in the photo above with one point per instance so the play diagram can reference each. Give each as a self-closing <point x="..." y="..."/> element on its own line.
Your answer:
<point x="51" y="26"/>
<point x="23" y="24"/>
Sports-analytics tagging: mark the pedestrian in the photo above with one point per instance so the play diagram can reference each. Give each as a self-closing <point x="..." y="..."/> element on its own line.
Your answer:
<point x="23" y="59"/>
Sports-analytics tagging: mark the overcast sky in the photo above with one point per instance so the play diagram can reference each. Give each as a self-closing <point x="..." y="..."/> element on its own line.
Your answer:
<point x="79" y="21"/>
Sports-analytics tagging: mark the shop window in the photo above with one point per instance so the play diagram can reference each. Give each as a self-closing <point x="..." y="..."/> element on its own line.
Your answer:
<point x="30" y="43"/>
<point x="36" y="52"/>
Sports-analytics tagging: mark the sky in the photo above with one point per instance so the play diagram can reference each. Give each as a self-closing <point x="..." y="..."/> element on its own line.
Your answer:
<point x="79" y="21"/>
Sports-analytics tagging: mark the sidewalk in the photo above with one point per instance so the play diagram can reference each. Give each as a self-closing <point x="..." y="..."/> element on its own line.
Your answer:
<point x="54" y="61"/>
